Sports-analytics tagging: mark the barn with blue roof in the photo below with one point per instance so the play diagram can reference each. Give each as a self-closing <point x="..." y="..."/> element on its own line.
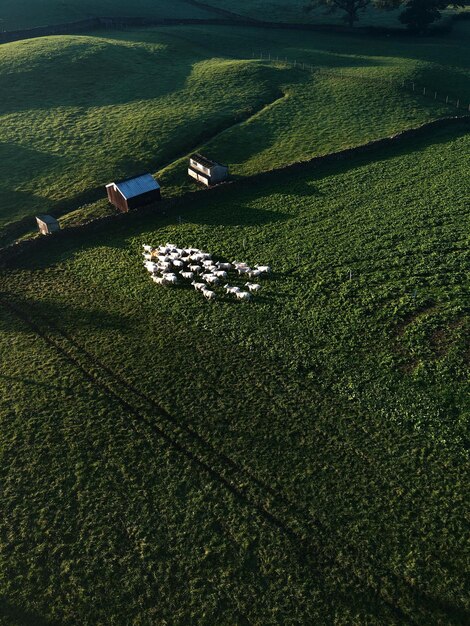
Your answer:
<point x="134" y="192"/>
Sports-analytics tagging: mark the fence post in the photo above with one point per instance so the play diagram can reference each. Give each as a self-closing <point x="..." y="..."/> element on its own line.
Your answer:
<point x="435" y="95"/>
<point x="424" y="91"/>
<point x="447" y="99"/>
<point x="413" y="86"/>
<point x="458" y="102"/>
<point x="269" y="56"/>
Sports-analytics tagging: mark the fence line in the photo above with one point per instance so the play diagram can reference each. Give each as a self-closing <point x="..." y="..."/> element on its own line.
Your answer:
<point x="408" y="84"/>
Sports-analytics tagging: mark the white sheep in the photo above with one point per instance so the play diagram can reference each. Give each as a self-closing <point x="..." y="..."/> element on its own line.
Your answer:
<point x="198" y="286"/>
<point x="220" y="273"/>
<point x="197" y="269"/>
<point x="159" y="280"/>
<point x="164" y="267"/>
<point x="147" y="248"/>
<point x="243" y="295"/>
<point x="253" y="287"/>
<point x="254" y="273"/>
<point x="242" y="269"/>
<point x="210" y="279"/>
<point x="187" y="275"/>
<point x="178" y="263"/>
<point x="170" y="279"/>
<point x="208" y="294"/>
<point x="230" y="289"/>
<point x="224" y="266"/>
<point x="264" y="269"/>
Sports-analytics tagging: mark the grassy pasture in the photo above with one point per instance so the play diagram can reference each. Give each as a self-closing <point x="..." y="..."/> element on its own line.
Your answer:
<point x="77" y="112"/>
<point x="345" y="395"/>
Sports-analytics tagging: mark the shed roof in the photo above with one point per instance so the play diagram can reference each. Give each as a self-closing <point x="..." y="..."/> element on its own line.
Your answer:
<point x="203" y="160"/>
<point x="132" y="187"/>
<point x="47" y="219"/>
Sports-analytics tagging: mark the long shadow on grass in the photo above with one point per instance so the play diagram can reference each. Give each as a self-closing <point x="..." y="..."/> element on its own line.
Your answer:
<point x="20" y="616"/>
<point x="82" y="318"/>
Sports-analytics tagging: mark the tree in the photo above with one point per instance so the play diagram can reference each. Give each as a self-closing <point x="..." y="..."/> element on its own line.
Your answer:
<point x="350" y="8"/>
<point x="420" y="14"/>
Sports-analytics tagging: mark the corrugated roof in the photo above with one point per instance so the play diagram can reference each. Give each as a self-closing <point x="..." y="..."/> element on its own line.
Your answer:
<point x="132" y="187"/>
<point x="204" y="161"/>
<point x="47" y="219"/>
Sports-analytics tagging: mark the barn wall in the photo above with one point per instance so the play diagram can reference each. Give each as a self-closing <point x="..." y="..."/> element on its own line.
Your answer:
<point x="145" y="198"/>
<point x="117" y="199"/>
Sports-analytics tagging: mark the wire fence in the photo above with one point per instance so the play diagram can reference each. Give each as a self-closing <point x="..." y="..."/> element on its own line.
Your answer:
<point x="412" y="86"/>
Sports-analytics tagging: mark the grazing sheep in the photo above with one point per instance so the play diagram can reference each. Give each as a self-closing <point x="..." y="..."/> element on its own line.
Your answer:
<point x="147" y="248"/>
<point x="243" y="295"/>
<point x="241" y="269"/>
<point x="164" y="266"/>
<point x="187" y="275"/>
<point x="208" y="294"/>
<point x="230" y="289"/>
<point x="178" y="263"/>
<point x="210" y="279"/>
<point x="224" y="266"/>
<point x="254" y="273"/>
<point x="170" y="279"/>
<point x="151" y="267"/>
<point x="197" y="269"/>
<point x="147" y="257"/>
<point x="159" y="280"/>
<point x="264" y="269"/>
<point x="253" y="287"/>
<point x="198" y="286"/>
<point x="220" y="273"/>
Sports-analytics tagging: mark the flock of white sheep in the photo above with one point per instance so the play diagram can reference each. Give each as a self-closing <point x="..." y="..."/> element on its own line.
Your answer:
<point x="169" y="264"/>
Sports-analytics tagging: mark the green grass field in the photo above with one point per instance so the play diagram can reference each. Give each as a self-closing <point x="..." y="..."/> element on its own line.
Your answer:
<point x="301" y="459"/>
<point x="79" y="111"/>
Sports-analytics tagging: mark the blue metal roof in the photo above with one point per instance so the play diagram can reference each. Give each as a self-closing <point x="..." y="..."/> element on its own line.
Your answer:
<point x="133" y="187"/>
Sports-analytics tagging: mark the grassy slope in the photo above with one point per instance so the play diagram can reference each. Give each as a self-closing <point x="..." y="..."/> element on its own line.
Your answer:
<point x="19" y="14"/>
<point x="346" y="395"/>
<point x="118" y="104"/>
<point x="81" y="111"/>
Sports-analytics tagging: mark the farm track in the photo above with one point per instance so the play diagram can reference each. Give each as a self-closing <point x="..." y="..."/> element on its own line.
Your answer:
<point x="308" y="535"/>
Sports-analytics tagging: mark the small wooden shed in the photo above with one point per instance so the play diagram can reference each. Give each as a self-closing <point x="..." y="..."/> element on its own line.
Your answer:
<point x="205" y="170"/>
<point x="47" y="224"/>
<point x="134" y="192"/>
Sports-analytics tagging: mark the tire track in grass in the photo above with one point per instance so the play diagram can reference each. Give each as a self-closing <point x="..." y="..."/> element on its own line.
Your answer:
<point x="236" y="479"/>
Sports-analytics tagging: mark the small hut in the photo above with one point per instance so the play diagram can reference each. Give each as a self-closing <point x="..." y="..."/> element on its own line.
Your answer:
<point x="133" y="192"/>
<point x="206" y="171"/>
<point x="47" y="224"/>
